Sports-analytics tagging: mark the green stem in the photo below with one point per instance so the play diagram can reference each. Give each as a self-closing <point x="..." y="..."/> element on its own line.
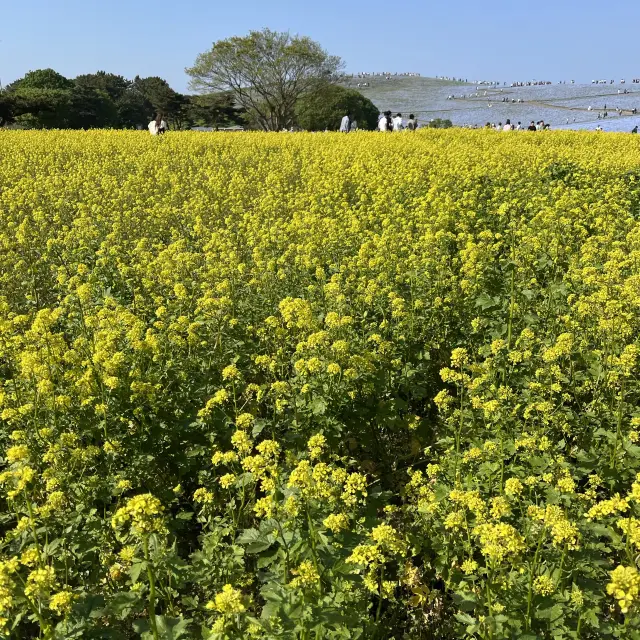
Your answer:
<point x="532" y="570"/>
<point x="44" y="625"/>
<point x="489" y="607"/>
<point x="33" y="528"/>
<point x="619" y="429"/>
<point x="312" y="536"/>
<point x="152" y="590"/>
<point x="379" y="611"/>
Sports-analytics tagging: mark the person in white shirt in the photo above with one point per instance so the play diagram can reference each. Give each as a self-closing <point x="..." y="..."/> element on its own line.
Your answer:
<point x="382" y="123"/>
<point x="345" y="125"/>
<point x="507" y="126"/>
<point x="157" y="126"/>
<point x="397" y="123"/>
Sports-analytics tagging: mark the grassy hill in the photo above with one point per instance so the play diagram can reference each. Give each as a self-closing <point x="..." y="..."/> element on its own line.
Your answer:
<point x="381" y="90"/>
<point x="404" y="93"/>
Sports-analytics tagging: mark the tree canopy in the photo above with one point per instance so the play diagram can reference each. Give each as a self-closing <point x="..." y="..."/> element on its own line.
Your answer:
<point x="46" y="99"/>
<point x="324" y="108"/>
<point x="113" y="85"/>
<point x="42" y="79"/>
<point x="266" y="72"/>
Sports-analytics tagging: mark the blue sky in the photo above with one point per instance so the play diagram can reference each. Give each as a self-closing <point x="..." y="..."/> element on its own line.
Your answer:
<point x="502" y="40"/>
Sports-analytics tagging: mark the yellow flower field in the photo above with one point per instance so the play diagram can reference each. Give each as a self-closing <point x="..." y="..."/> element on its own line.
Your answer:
<point x="312" y="386"/>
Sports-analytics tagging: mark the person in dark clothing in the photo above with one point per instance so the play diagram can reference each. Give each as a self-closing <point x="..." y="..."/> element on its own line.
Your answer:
<point x="635" y="129"/>
<point x="532" y="126"/>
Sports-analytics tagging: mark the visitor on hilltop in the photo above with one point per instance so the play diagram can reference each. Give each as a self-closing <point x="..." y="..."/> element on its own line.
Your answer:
<point x="635" y="129"/>
<point x="382" y="122"/>
<point x="354" y="125"/>
<point x="519" y="126"/>
<point x="507" y="126"/>
<point x="532" y="126"/>
<point x="412" y="123"/>
<point x="345" y="125"/>
<point x="157" y="126"/>
<point x="397" y="123"/>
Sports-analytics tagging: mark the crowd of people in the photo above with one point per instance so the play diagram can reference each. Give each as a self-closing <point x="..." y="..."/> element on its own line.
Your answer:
<point x="511" y="126"/>
<point x="387" y="122"/>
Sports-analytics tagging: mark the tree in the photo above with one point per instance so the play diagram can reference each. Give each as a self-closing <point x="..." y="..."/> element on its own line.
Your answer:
<point x="6" y="108"/>
<point x="134" y="110"/>
<point x="159" y="94"/>
<point x="439" y="123"/>
<point x="36" y="108"/>
<point x="42" y="79"/>
<point x="113" y="85"/>
<point x="90" y="109"/>
<point x="267" y="73"/>
<point x="324" y="108"/>
<point x="214" y="110"/>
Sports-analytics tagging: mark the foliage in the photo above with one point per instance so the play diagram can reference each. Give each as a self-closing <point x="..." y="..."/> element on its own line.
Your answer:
<point x="325" y="107"/>
<point x="267" y="73"/>
<point x="251" y="389"/>
<point x="439" y="123"/>
<point x="45" y="99"/>
<point x="159" y="94"/>
<point x="42" y="79"/>
<point x="113" y="85"/>
<point x="78" y="108"/>
<point x="134" y="110"/>
<point x="215" y="109"/>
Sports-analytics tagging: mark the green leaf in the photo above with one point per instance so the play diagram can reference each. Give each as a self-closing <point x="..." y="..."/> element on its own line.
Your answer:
<point x="465" y="618"/>
<point x="171" y="628"/>
<point x="122" y="604"/>
<point x="136" y="569"/>
<point x="254" y="541"/>
<point x="465" y="600"/>
<point x="318" y="406"/>
<point x="258" y="427"/>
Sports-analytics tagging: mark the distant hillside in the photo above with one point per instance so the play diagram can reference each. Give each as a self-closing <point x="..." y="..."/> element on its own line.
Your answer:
<point x="380" y="89"/>
<point x="400" y="92"/>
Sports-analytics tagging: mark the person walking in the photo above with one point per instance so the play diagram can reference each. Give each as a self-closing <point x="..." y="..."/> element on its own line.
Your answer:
<point x="397" y="123"/>
<point x="158" y="126"/>
<point x="412" y="123"/>
<point x="532" y="126"/>
<point x="345" y="125"/>
<point x="635" y="129"/>
<point x="507" y="126"/>
<point x="382" y="123"/>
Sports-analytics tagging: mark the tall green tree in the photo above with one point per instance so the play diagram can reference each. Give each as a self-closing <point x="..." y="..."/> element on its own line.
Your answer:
<point x="134" y="110"/>
<point x="159" y="94"/>
<point x="6" y="108"/>
<point x="36" y="108"/>
<point x="266" y="72"/>
<point x="42" y="79"/>
<point x="113" y="85"/>
<point x="215" y="110"/>
<point x="90" y="109"/>
<point x="324" y="108"/>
